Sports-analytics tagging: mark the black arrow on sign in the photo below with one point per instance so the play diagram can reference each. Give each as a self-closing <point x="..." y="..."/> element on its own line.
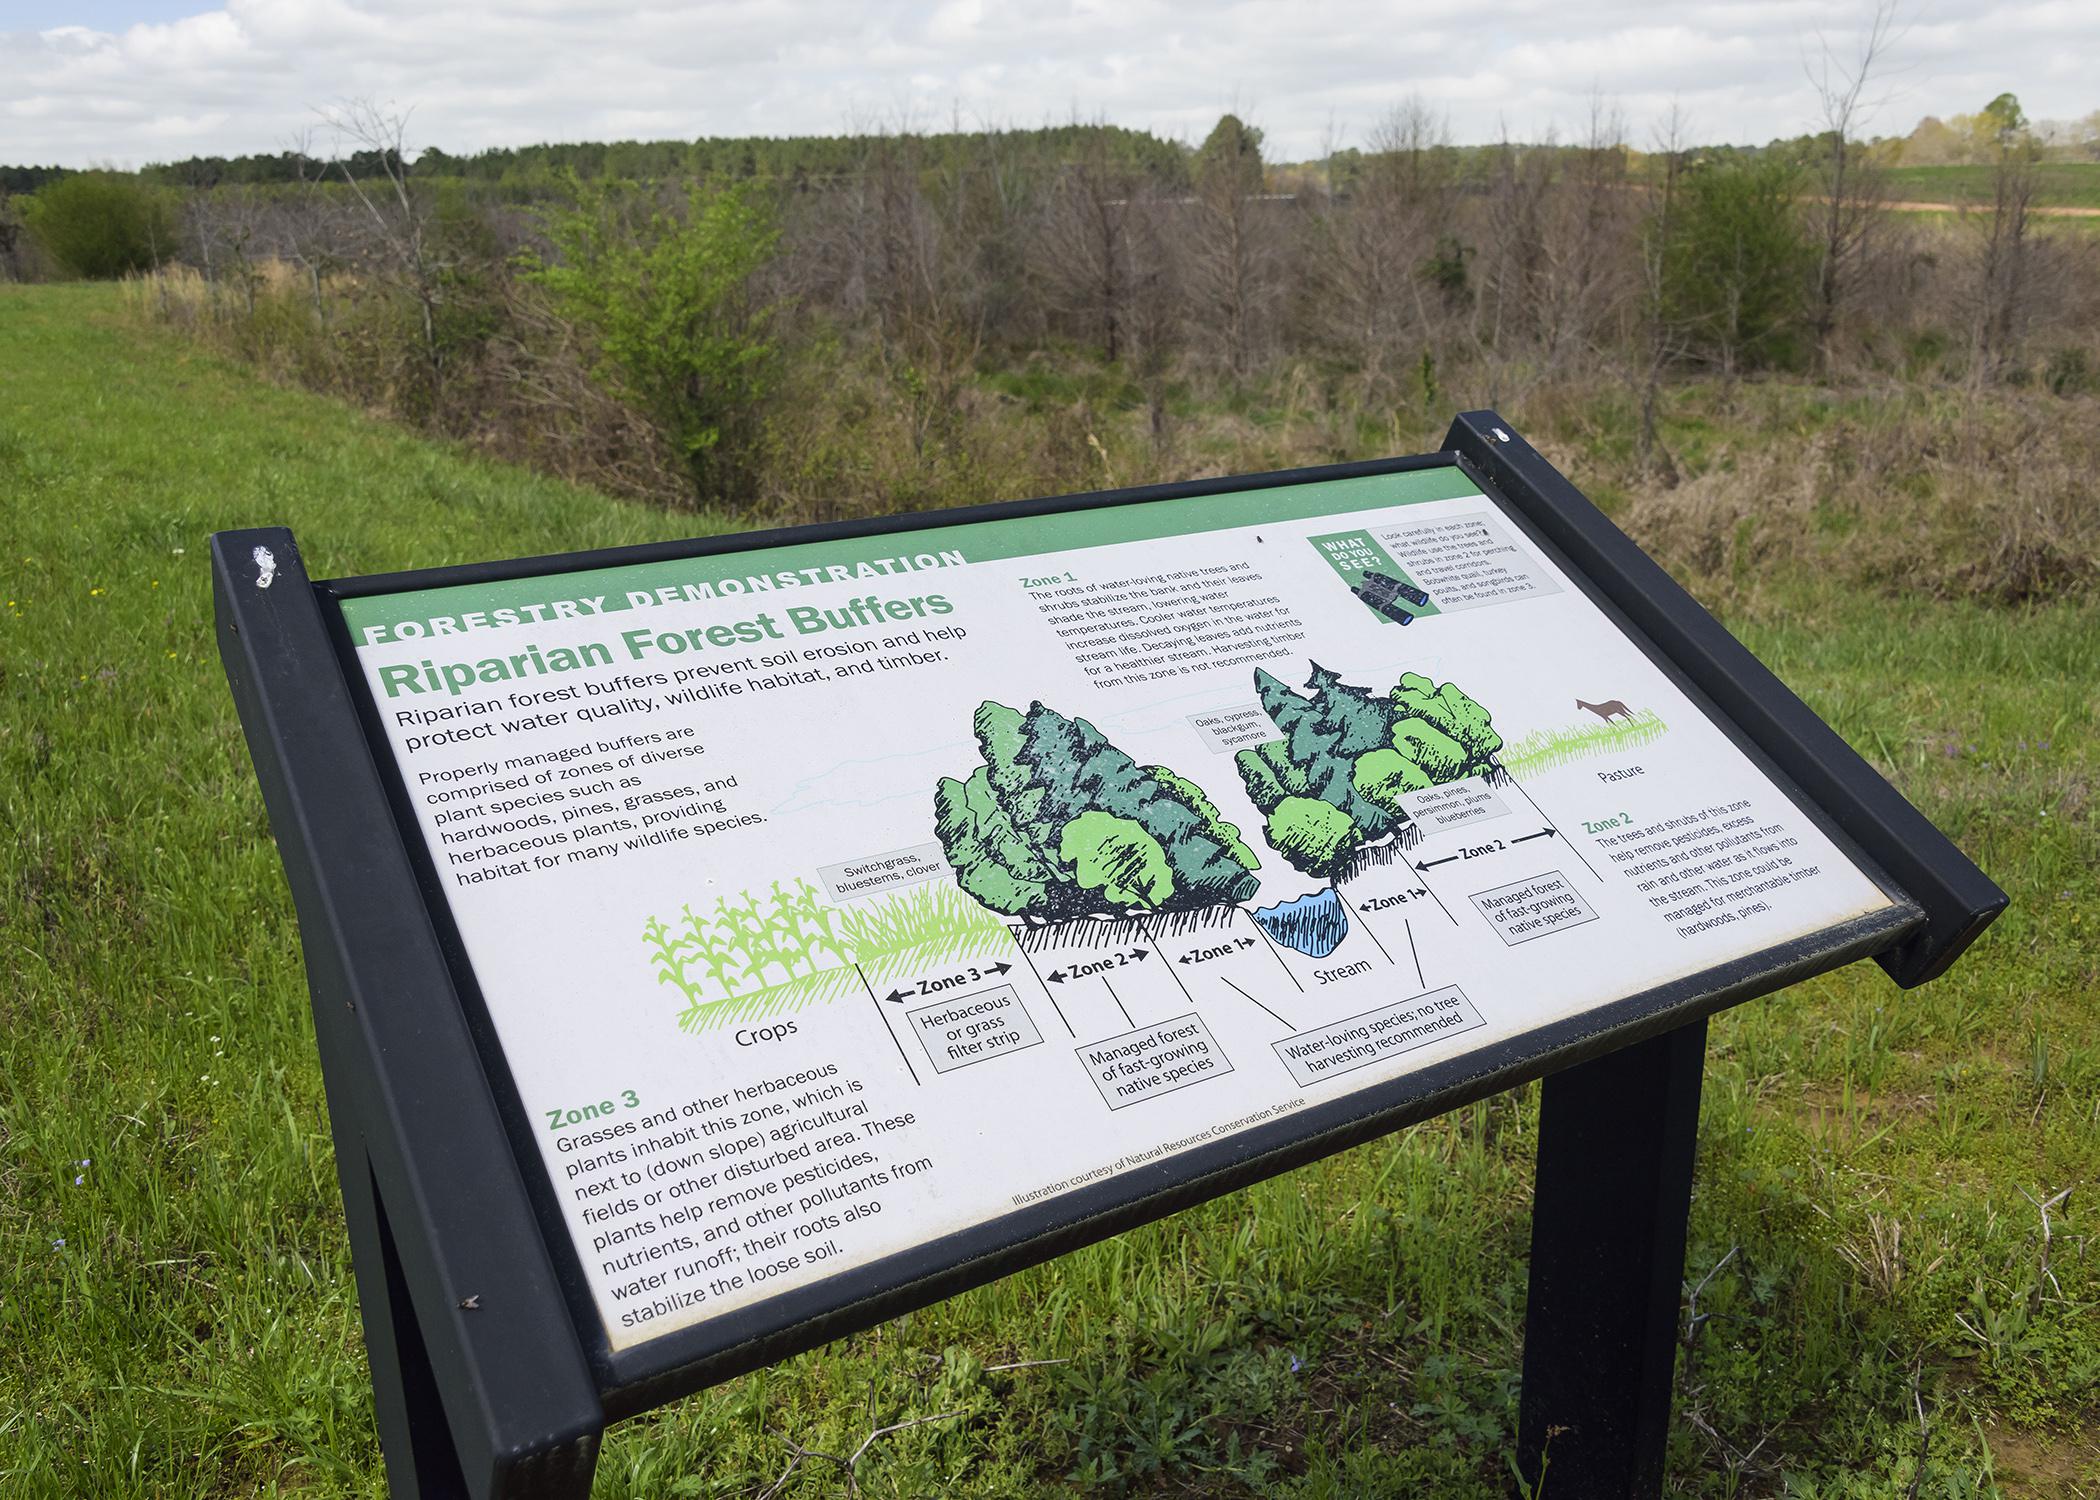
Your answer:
<point x="998" y="968"/>
<point x="1137" y="953"/>
<point x="1055" y="976"/>
<point x="1543" y="833"/>
<point x="895" y="997"/>
<point x="1433" y="863"/>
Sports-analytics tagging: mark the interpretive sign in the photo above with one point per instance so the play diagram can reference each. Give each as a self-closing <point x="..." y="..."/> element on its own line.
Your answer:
<point x="788" y="886"/>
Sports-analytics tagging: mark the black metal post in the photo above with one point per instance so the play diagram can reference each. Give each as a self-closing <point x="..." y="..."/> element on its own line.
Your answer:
<point x="1616" y="1138"/>
<point x="482" y="1386"/>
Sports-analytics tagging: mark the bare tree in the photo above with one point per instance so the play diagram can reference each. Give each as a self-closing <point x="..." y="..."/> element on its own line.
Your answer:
<point x="1513" y="264"/>
<point x="312" y="236"/>
<point x="228" y="232"/>
<point x="1577" y="295"/>
<point x="1377" y="231"/>
<point x="1851" y="196"/>
<point x="1664" y="339"/>
<point x="10" y="237"/>
<point x="1231" y="243"/>
<point x="902" y="271"/>
<point x="1083" y="249"/>
<point x="398" y="216"/>
<point x="1156" y="321"/>
<point x="2001" y="294"/>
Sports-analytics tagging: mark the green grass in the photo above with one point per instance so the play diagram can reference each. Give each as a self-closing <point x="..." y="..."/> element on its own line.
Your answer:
<point x="1543" y="749"/>
<point x="176" y="1311"/>
<point x="2057" y="184"/>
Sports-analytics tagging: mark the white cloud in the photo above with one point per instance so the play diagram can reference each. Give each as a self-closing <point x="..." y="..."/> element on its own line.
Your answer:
<point x="250" y="74"/>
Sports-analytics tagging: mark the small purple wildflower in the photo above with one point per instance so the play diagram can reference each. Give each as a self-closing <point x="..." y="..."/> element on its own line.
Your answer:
<point x="59" y="1243"/>
<point x="1295" y="1365"/>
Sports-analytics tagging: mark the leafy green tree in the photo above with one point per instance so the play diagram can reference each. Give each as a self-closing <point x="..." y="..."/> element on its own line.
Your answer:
<point x="2003" y="122"/>
<point x="1316" y="837"/>
<point x="1383" y="777"/>
<point x="1230" y="157"/>
<point x="1739" y="268"/>
<point x="1058" y="823"/>
<point x="668" y="297"/>
<point x="1118" y="858"/>
<point x="1323" y="736"/>
<point x="1355" y="754"/>
<point x="102" y="225"/>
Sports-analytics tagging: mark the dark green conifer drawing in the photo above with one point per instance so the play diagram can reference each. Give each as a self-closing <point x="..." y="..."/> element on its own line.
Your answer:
<point x="1333" y="783"/>
<point x="1058" y="823"/>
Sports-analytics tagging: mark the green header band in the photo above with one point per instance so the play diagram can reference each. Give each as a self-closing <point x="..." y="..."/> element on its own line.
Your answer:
<point x="423" y="613"/>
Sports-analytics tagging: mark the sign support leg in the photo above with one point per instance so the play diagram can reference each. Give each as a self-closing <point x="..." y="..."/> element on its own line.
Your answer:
<point x="414" y="1438"/>
<point x="1616" y="1139"/>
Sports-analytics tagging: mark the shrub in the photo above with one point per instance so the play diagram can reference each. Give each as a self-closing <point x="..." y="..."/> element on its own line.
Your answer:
<point x="1736" y="261"/>
<point x="668" y="300"/>
<point x="102" y="225"/>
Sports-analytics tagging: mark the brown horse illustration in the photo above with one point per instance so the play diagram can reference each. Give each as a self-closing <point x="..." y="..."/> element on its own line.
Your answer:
<point x="1608" y="710"/>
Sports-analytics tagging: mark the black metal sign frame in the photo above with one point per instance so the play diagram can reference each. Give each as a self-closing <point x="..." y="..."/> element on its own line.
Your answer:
<point x="492" y="1373"/>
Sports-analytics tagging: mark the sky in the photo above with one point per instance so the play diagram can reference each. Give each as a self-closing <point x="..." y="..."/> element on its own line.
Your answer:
<point x="126" y="82"/>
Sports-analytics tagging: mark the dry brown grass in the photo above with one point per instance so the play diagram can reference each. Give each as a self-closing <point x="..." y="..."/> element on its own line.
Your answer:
<point x="1913" y="488"/>
<point x="1918" y="484"/>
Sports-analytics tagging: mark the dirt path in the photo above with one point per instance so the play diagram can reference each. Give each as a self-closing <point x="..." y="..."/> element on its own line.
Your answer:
<point x="2037" y="211"/>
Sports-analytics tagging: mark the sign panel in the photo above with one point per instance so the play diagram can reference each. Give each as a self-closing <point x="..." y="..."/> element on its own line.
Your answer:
<point x="832" y="898"/>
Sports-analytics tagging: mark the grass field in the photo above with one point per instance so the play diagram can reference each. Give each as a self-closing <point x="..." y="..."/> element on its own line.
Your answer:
<point x="2057" y="184"/>
<point x="177" y="1316"/>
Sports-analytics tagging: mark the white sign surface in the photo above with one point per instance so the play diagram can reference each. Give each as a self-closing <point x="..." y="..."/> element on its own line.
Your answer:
<point x="833" y="898"/>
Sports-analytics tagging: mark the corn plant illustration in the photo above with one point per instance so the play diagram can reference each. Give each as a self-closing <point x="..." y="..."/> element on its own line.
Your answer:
<point x="760" y="954"/>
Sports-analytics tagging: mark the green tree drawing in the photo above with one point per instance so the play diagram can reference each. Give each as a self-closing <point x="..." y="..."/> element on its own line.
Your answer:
<point x="1333" y="783"/>
<point x="1118" y="858"/>
<point x="1316" y="837"/>
<point x="1058" y="823"/>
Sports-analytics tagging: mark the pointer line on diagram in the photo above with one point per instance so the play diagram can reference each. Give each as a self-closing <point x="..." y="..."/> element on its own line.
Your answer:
<point x="1423" y="869"/>
<point x="1038" y="973"/>
<point x="1566" y="842"/>
<point x="1245" y="996"/>
<point x="1270" y="944"/>
<point x="1170" y="968"/>
<point x="1119" y="1003"/>
<point x="876" y="1001"/>
<point x="1366" y="926"/>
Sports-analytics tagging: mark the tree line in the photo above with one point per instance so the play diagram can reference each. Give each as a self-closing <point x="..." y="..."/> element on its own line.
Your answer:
<point x="740" y="323"/>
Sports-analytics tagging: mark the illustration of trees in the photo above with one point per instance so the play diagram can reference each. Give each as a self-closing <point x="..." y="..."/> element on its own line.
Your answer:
<point x="1058" y="823"/>
<point x="1332" y="785"/>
